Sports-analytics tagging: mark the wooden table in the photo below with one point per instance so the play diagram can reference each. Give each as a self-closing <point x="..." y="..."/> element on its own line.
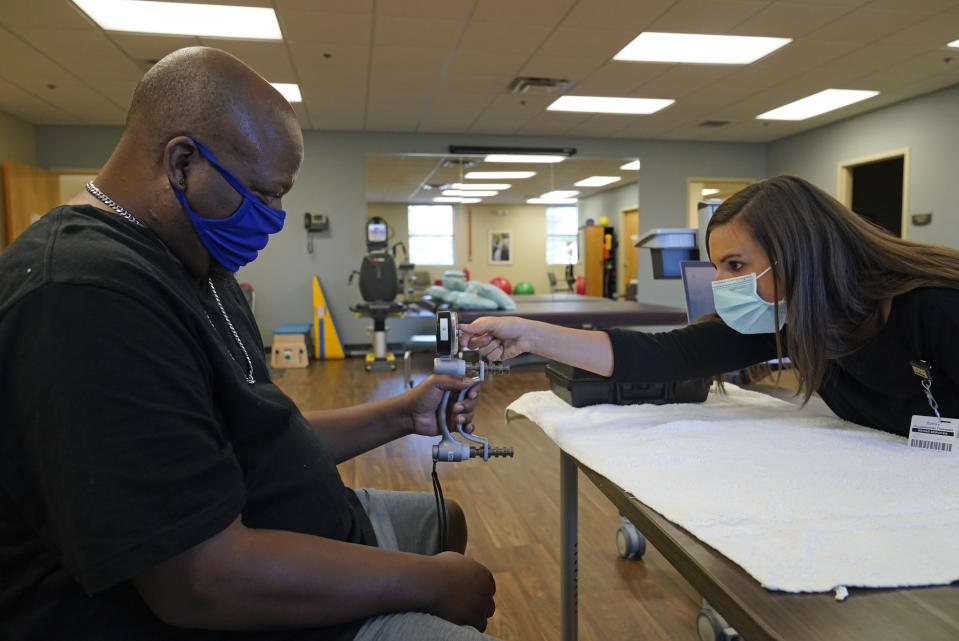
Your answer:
<point x="927" y="614"/>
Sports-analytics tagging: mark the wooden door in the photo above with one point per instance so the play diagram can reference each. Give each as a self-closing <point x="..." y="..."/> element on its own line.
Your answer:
<point x="630" y="253"/>
<point x="28" y="193"/>
<point x="593" y="261"/>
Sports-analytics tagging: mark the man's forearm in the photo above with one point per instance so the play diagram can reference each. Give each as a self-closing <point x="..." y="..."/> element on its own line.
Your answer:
<point x="350" y="431"/>
<point x="247" y="579"/>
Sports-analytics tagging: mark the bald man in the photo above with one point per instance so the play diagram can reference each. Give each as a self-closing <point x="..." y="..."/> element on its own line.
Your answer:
<point x="154" y="483"/>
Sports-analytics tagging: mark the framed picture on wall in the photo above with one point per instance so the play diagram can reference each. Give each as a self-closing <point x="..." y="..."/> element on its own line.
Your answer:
<point x="501" y="248"/>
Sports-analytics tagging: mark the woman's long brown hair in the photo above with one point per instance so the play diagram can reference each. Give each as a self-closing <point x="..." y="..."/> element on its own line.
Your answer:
<point x="834" y="267"/>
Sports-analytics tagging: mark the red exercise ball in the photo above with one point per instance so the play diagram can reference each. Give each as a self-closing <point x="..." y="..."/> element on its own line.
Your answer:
<point x="466" y="272"/>
<point x="503" y="284"/>
<point x="581" y="285"/>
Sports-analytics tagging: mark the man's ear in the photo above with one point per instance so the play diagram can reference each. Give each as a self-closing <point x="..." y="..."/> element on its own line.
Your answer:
<point x="178" y="156"/>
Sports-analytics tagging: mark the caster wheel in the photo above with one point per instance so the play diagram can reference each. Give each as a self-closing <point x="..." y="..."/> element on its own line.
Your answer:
<point x="712" y="627"/>
<point x="629" y="542"/>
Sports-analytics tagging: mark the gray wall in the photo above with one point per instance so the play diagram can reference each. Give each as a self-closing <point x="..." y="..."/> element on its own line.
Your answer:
<point x="927" y="125"/>
<point x="332" y="182"/>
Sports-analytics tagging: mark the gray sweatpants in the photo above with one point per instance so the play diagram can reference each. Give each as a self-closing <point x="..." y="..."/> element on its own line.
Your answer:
<point x="406" y="521"/>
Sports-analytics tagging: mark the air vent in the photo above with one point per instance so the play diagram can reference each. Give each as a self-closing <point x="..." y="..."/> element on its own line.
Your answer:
<point x="542" y="86"/>
<point x="714" y="123"/>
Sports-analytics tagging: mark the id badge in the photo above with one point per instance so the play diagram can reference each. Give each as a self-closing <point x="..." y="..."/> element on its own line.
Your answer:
<point x="933" y="433"/>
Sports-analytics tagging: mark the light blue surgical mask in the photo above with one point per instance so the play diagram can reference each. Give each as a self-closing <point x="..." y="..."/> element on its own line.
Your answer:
<point x="235" y="240"/>
<point x="740" y="306"/>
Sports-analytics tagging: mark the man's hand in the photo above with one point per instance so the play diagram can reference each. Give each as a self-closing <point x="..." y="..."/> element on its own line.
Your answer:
<point x="426" y="397"/>
<point x="463" y="590"/>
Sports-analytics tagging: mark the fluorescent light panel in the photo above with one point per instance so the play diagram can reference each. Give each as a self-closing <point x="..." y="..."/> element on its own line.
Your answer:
<point x="954" y="44"/>
<point x="709" y="191"/>
<point x="499" y="175"/>
<point x="551" y="201"/>
<point x="453" y="199"/>
<point x="559" y="193"/>
<point x="609" y="104"/>
<point x="818" y="103"/>
<point x="178" y="18"/>
<point x="523" y="158"/>
<point x="597" y="181"/>
<point x="695" y="48"/>
<point x="469" y="186"/>
<point x="289" y="90"/>
<point x="469" y="192"/>
<point x="631" y="166"/>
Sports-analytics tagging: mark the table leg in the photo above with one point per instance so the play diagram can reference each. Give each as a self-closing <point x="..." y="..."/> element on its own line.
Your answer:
<point x="569" y="555"/>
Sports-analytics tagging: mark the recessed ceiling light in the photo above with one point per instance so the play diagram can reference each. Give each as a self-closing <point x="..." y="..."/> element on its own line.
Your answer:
<point x="469" y="192"/>
<point x="597" y="181"/>
<point x="289" y="90"/>
<point x="631" y="166"/>
<point x="467" y="186"/>
<point x="181" y="18"/>
<point x="551" y="201"/>
<point x="818" y="103"/>
<point x="499" y="175"/>
<point x="709" y="192"/>
<point x="559" y="193"/>
<point x="523" y="158"/>
<point x="651" y="46"/>
<point x="609" y="104"/>
<point x="454" y="199"/>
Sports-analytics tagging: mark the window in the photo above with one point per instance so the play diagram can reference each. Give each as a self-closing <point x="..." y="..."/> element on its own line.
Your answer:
<point x="431" y="234"/>
<point x="561" y="236"/>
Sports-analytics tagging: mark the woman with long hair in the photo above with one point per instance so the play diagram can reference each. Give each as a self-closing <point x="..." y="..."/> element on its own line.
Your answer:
<point x="798" y="275"/>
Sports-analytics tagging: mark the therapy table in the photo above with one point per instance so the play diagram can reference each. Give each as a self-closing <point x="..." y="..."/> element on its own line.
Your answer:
<point x="758" y="613"/>
<point x="585" y="311"/>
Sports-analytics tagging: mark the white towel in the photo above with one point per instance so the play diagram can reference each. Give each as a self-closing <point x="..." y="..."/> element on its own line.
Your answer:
<point x="800" y="499"/>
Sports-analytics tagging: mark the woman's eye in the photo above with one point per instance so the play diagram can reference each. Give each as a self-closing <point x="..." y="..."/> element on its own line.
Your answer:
<point x="735" y="266"/>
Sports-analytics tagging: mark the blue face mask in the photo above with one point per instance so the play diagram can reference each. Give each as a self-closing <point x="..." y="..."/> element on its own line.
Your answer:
<point x="740" y="306"/>
<point x="234" y="241"/>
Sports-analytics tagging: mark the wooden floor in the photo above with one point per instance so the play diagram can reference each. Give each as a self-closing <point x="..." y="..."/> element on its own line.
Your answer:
<point x="512" y="507"/>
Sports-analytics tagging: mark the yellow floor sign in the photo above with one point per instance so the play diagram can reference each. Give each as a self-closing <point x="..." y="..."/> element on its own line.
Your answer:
<point x="326" y="342"/>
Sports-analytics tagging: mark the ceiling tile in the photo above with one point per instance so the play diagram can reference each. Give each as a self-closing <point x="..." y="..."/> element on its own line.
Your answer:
<point x="393" y="31"/>
<point x="936" y="31"/>
<point x="922" y="6"/>
<point x="782" y="20"/>
<point x="706" y="16"/>
<point x="468" y="62"/>
<point x="601" y="125"/>
<point x="322" y="28"/>
<point x="532" y="12"/>
<point x="805" y="54"/>
<point x="596" y="45"/>
<point x="865" y="25"/>
<point x="680" y="80"/>
<point x="616" y="78"/>
<point x="428" y="9"/>
<point x="505" y="37"/>
<point x="62" y="45"/>
<point x="338" y="65"/>
<point x="332" y="6"/>
<point x="617" y="15"/>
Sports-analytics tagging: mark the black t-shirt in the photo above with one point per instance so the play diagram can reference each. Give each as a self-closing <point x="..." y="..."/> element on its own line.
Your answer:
<point x="873" y="386"/>
<point x="128" y="432"/>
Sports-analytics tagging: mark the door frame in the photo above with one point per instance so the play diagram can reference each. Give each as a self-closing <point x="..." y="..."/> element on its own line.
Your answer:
<point x="624" y="245"/>
<point x="844" y="179"/>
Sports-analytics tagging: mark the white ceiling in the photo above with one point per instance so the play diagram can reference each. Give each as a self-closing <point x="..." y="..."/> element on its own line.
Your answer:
<point x="443" y="66"/>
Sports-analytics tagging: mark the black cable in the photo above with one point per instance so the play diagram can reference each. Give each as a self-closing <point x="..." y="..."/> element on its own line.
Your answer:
<point x="440" y="508"/>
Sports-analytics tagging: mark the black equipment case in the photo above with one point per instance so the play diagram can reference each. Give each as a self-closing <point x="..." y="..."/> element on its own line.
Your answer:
<point x="580" y="388"/>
